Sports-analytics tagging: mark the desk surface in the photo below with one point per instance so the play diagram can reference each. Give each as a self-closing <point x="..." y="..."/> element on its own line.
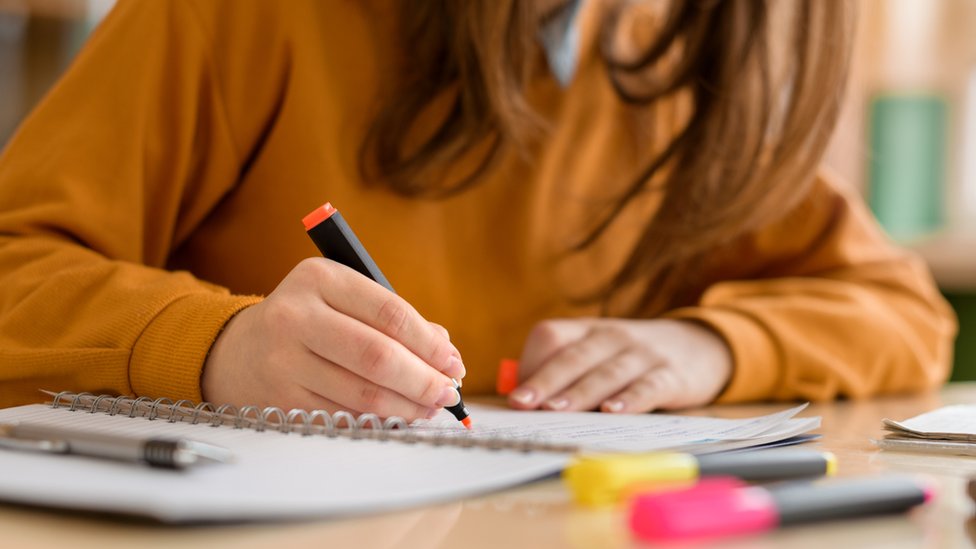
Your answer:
<point x="540" y="515"/>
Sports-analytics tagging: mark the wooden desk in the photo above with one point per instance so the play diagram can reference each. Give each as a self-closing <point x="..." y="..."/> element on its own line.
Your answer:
<point x="540" y="515"/>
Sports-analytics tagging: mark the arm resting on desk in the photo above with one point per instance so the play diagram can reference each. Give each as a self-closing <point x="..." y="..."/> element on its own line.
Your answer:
<point x="833" y="309"/>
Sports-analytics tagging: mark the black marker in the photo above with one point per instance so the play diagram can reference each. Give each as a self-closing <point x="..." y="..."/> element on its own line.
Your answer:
<point x="335" y="239"/>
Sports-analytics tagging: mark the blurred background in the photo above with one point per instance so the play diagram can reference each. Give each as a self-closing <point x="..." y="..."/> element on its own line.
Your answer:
<point x="906" y="138"/>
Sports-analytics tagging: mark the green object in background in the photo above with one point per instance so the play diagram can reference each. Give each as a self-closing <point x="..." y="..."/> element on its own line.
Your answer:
<point x="908" y="163"/>
<point x="964" y="368"/>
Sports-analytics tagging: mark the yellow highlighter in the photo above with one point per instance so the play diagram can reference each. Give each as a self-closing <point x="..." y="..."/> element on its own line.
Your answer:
<point x="603" y="479"/>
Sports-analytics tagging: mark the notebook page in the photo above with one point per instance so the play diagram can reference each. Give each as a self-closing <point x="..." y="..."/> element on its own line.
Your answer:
<point x="274" y="475"/>
<point x="788" y="430"/>
<point x="627" y="433"/>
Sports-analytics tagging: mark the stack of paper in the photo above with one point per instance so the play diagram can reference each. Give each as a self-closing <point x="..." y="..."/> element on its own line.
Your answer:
<point x="949" y="430"/>
<point x="593" y="432"/>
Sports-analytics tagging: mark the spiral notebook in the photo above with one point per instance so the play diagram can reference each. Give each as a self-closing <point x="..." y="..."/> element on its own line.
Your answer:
<point x="314" y="464"/>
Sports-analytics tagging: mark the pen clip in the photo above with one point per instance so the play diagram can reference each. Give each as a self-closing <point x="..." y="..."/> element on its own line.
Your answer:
<point x="34" y="445"/>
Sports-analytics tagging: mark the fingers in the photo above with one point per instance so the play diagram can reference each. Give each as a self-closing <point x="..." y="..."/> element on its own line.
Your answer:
<point x="376" y="358"/>
<point x="311" y="401"/>
<point x="546" y="339"/>
<point x="567" y="366"/>
<point x="605" y="380"/>
<point x="354" y="394"/>
<point x="655" y="389"/>
<point x="354" y="295"/>
<point x="441" y="330"/>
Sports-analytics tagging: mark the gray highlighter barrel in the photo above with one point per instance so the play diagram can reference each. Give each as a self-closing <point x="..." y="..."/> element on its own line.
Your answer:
<point x="765" y="464"/>
<point x="803" y="502"/>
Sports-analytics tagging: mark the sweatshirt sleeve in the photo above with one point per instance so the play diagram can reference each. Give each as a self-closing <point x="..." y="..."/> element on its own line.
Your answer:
<point x="123" y="159"/>
<point x="831" y="310"/>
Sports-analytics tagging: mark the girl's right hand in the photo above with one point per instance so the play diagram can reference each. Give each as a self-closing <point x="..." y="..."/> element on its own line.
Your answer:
<point x="330" y="338"/>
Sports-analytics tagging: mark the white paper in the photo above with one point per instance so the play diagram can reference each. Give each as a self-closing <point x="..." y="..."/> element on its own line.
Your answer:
<point x="278" y="475"/>
<point x="950" y="422"/>
<point x="629" y="433"/>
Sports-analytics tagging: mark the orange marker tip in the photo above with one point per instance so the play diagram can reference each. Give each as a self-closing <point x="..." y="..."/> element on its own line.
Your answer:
<point x="466" y="422"/>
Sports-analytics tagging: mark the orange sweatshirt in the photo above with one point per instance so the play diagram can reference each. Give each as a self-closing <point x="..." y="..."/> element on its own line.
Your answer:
<point x="159" y="189"/>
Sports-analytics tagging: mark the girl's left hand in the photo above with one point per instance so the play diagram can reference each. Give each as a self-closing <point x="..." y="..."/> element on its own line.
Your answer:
<point x="621" y="365"/>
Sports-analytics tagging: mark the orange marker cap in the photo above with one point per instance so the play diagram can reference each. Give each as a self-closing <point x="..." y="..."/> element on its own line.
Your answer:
<point x="507" y="376"/>
<point x="318" y="215"/>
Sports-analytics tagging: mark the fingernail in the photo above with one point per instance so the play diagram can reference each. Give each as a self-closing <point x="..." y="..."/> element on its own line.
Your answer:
<point x="455" y="368"/>
<point x="522" y="396"/>
<point x="449" y="397"/>
<point x="557" y="403"/>
<point x="613" y="406"/>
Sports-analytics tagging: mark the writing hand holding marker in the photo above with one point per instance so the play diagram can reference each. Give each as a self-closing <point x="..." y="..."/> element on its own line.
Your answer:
<point x="335" y="239"/>
<point x="329" y="338"/>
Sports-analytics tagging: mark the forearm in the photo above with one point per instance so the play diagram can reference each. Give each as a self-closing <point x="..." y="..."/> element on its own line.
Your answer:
<point x="832" y="309"/>
<point x="72" y="319"/>
<point x="822" y="339"/>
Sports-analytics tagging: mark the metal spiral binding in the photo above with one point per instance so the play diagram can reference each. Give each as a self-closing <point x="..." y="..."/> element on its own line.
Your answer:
<point x="305" y="423"/>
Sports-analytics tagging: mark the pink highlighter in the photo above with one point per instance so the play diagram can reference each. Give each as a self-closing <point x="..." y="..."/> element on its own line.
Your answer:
<point x="723" y="507"/>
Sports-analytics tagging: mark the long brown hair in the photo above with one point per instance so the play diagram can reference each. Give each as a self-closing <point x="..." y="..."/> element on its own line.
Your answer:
<point x="763" y="87"/>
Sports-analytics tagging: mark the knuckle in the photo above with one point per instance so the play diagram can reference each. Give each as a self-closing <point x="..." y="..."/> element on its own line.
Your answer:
<point x="393" y="316"/>
<point x="574" y="353"/>
<point x="545" y="333"/>
<point x="582" y="389"/>
<point x="645" y="388"/>
<point x="306" y="265"/>
<point x="441" y="330"/>
<point x="432" y="391"/>
<point x="610" y="333"/>
<point x="376" y="360"/>
<point x="441" y="351"/>
<point x="618" y="369"/>
<point x="595" y="380"/>
<point x="371" y="398"/>
<point x="309" y="266"/>
<point x="313" y="270"/>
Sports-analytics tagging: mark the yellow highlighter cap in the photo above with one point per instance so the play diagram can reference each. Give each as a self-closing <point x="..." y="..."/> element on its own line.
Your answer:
<point x="607" y="478"/>
<point x="831" y="463"/>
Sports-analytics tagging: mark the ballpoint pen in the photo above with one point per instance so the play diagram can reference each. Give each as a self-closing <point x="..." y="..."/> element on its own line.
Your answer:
<point x="335" y="239"/>
<point x="167" y="453"/>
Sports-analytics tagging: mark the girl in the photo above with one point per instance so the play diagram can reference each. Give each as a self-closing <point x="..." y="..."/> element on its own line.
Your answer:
<point x="623" y="193"/>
